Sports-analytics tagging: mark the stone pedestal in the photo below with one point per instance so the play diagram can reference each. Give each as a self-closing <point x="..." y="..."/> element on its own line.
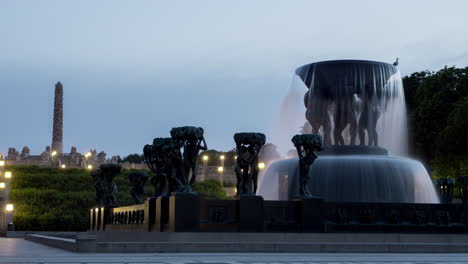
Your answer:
<point x="250" y="211"/>
<point x="162" y="214"/>
<point x="310" y="216"/>
<point x="184" y="212"/>
<point x="150" y="208"/>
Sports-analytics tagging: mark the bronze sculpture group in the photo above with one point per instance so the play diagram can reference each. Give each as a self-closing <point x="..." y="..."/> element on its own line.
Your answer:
<point x="173" y="162"/>
<point x="360" y="113"/>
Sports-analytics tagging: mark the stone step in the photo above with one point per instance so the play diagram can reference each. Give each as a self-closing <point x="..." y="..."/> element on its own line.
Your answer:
<point x="277" y="247"/>
<point x="128" y="242"/>
<point x="58" y="242"/>
<point x="279" y="237"/>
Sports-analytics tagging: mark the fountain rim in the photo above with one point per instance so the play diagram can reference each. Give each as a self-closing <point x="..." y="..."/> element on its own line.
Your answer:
<point x="345" y="61"/>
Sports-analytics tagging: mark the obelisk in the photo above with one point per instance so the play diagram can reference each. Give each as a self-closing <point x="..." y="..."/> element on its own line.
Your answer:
<point x="57" y="134"/>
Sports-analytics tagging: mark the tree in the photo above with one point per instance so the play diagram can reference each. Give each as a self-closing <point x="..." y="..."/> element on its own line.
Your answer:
<point x="210" y="189"/>
<point x="431" y="97"/>
<point x="134" y="158"/>
<point x="452" y="143"/>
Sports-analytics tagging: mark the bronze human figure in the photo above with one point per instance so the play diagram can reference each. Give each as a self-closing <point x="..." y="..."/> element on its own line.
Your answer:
<point x="307" y="147"/>
<point x="103" y="182"/>
<point x="194" y="142"/>
<point x="157" y="157"/>
<point x="248" y="146"/>
<point x="137" y="181"/>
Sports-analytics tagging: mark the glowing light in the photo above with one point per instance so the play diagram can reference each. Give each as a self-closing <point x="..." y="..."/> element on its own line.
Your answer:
<point x="88" y="154"/>
<point x="222" y="157"/>
<point x="90" y="166"/>
<point x="2" y="185"/>
<point x="96" y="209"/>
<point x="54" y="153"/>
<point x="63" y="166"/>
<point x="261" y="165"/>
<point x="2" y="163"/>
<point x="9" y="207"/>
<point x="220" y="169"/>
<point x="8" y="174"/>
<point x="235" y="157"/>
<point x="205" y="157"/>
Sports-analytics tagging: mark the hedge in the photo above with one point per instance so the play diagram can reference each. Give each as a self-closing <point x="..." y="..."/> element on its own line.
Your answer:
<point x="55" y="199"/>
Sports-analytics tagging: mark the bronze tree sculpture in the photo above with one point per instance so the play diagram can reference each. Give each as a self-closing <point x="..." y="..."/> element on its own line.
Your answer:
<point x="105" y="188"/>
<point x="307" y="147"/>
<point x="157" y="157"/>
<point x="137" y="181"/>
<point x="173" y="159"/>
<point x="248" y="146"/>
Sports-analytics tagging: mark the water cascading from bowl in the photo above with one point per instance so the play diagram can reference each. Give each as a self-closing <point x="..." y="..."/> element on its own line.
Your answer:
<point x="357" y="106"/>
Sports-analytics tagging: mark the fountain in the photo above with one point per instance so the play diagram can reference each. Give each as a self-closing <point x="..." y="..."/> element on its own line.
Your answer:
<point x="359" y="109"/>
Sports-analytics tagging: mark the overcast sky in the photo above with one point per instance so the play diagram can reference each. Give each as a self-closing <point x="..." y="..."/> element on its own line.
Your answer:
<point x="131" y="70"/>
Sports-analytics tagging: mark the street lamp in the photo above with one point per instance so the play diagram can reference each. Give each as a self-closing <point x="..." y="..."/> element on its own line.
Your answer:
<point x="53" y="154"/>
<point x="63" y="166"/>
<point x="221" y="169"/>
<point x="90" y="166"/>
<point x="9" y="208"/>
<point x="261" y="165"/>
<point x="205" y="167"/>
<point x="2" y="185"/>
<point x="8" y="174"/>
<point x="2" y="163"/>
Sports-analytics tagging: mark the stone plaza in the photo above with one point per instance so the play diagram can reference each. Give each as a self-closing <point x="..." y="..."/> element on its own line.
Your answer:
<point x="15" y="250"/>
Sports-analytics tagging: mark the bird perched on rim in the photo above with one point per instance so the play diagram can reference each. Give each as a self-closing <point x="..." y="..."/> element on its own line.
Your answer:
<point x="396" y="62"/>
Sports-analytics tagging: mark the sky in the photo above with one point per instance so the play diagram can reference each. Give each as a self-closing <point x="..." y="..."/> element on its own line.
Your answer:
<point x="132" y="70"/>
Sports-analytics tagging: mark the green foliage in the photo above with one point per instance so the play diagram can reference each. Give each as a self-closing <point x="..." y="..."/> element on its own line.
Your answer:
<point x="436" y="108"/>
<point x="210" y="189"/>
<point x="134" y="158"/>
<point x="54" y="199"/>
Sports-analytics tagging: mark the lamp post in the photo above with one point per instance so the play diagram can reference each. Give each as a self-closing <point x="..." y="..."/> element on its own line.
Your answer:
<point x="221" y="169"/>
<point x="8" y="218"/>
<point x="53" y="154"/>
<point x="87" y="155"/>
<point x="4" y="193"/>
<point x="205" y="167"/>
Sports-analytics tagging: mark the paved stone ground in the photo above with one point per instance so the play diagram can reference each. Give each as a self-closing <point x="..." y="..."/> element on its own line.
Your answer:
<point x="21" y="251"/>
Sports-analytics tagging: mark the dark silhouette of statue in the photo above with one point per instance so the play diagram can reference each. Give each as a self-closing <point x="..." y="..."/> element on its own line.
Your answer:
<point x="103" y="182"/>
<point x="307" y="148"/>
<point x="194" y="142"/>
<point x="445" y="189"/>
<point x="463" y="180"/>
<point x="344" y="114"/>
<point x="248" y="146"/>
<point x="179" y="180"/>
<point x="137" y="181"/>
<point x="369" y="116"/>
<point x="158" y="158"/>
<point x="317" y="115"/>
<point x="170" y="166"/>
